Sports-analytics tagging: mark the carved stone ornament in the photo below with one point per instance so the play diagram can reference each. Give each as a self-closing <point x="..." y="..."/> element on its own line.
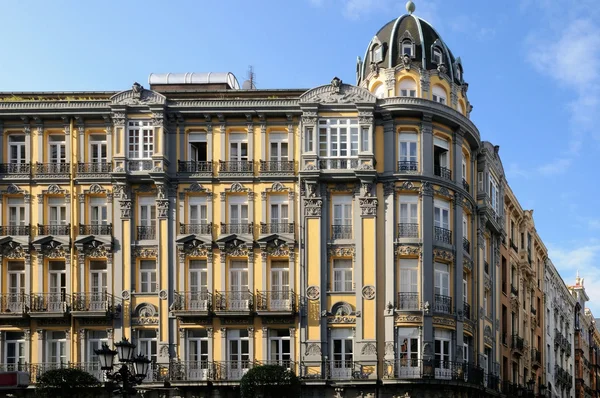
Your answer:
<point x="125" y="295"/>
<point x="369" y="349"/>
<point x="408" y="250"/>
<point x="365" y="118"/>
<point x="313" y="349"/>
<point x="442" y="254"/>
<point x="145" y="252"/>
<point x="145" y="314"/>
<point x="368" y="292"/>
<point x="389" y="348"/>
<point x="138" y="95"/>
<point x="408" y="318"/>
<point x="338" y="93"/>
<point x="467" y="264"/>
<point x="313" y="292"/>
<point x="441" y="320"/>
<point x="13" y="250"/>
<point x="163" y="209"/>
<point x="309" y="118"/>
<point x="163" y="295"/>
<point x="426" y="189"/>
<point x="236" y="249"/>
<point x="312" y="207"/>
<point x="368" y="206"/>
<point x="96" y="250"/>
<point x="341" y="251"/>
<point x="13" y="189"/>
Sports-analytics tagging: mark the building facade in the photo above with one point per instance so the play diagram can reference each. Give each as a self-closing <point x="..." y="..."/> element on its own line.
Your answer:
<point x="363" y="236"/>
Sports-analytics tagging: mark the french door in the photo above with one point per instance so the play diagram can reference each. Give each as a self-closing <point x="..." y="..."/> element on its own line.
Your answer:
<point x="198" y="366"/>
<point x="98" y="285"/>
<point x="238" y="280"/>
<point x="198" y="277"/>
<point x="56" y="349"/>
<point x="279" y="151"/>
<point x="14" y="351"/>
<point x="57" y="286"/>
<point x="279" y="346"/>
<point x="279" y="299"/>
<point x="442" y="359"/>
<point x="95" y="339"/>
<point x="16" y="288"/>
<point x="238" y="353"/>
<point x="342" y="352"/>
<point x="279" y="218"/>
<point x="238" y="218"/>
<point x="98" y="152"/>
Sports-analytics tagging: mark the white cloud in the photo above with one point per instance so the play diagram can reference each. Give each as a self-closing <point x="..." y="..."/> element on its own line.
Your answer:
<point x="556" y="167"/>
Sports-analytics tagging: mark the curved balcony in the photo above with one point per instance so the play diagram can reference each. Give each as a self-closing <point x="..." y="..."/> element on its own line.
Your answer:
<point x="442" y="304"/>
<point x="408" y="166"/>
<point x="146" y="232"/>
<point x="276" y="167"/>
<point x="442" y="235"/>
<point x="57" y="230"/>
<point x="443" y="172"/>
<point x="95" y="229"/>
<point x="408" y="230"/>
<point x="196" y="229"/>
<point x="408" y="302"/>
<point x="338" y="164"/>
<point x="15" y="230"/>
<point x="466" y="310"/>
<point x="419" y="369"/>
<point x="466" y="185"/>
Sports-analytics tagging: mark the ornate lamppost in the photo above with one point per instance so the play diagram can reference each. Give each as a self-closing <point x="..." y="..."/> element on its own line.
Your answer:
<point x="530" y="387"/>
<point x="124" y="379"/>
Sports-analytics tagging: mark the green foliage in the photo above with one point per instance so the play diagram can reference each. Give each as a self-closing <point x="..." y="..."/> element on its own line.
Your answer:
<point x="67" y="383"/>
<point x="270" y="381"/>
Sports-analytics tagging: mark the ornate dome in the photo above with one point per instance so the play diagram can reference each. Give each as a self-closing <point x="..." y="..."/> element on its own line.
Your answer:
<point x="409" y="39"/>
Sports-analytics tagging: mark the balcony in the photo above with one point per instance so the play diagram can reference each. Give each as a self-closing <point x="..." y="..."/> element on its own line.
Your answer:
<point x="427" y="369"/>
<point x="518" y="344"/>
<point x="243" y="228"/>
<point x="341" y="232"/>
<point x="193" y="303"/>
<point x="95" y="304"/>
<point x="237" y="167"/>
<point x="277" y="228"/>
<point x="96" y="229"/>
<point x="442" y="235"/>
<point x="443" y="172"/>
<point x="234" y="301"/>
<point x="48" y="304"/>
<point x="466" y="310"/>
<point x="408" y="166"/>
<point x="15" y="168"/>
<point x="442" y="304"/>
<point x="536" y="358"/>
<point x="139" y="165"/>
<point x="514" y="290"/>
<point x="191" y="371"/>
<point x="350" y="370"/>
<point x="408" y="302"/>
<point x="465" y="185"/>
<point x="94" y="168"/>
<point x="338" y="164"/>
<point x="52" y="169"/>
<point x="146" y="232"/>
<point x="466" y="245"/>
<point x="275" y="301"/>
<point x="13" y="304"/>
<point x="55" y="230"/>
<point x="232" y="370"/>
<point x="408" y="230"/>
<point x="196" y="229"/>
<point x="195" y="167"/>
<point x="15" y="230"/>
<point x="276" y="167"/>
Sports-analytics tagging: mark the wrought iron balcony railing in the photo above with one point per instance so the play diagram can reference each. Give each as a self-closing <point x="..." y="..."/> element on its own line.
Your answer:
<point x="442" y="235"/>
<point x="277" y="228"/>
<point x="52" y="168"/>
<point x="49" y="303"/>
<point x="146" y="232"/>
<point x="200" y="370"/>
<point x="536" y="356"/>
<point x="443" y="172"/>
<point x="94" y="168"/>
<point x="276" y="300"/>
<point x="338" y="164"/>
<point x="350" y="370"/>
<point x="466" y="185"/>
<point x="193" y="301"/>
<point x="139" y="165"/>
<point x="518" y="343"/>
<point x="95" y="229"/>
<point x="408" y="302"/>
<point x="442" y="304"/>
<point x="54" y="229"/>
<point x="416" y="368"/>
<point x="14" y="303"/>
<point x="15" y="230"/>
<point x="15" y="168"/>
<point x="197" y="229"/>
<point x="466" y="310"/>
<point x="466" y="245"/>
<point x="408" y="230"/>
<point x="195" y="167"/>
<point x="93" y="302"/>
<point x="341" y="232"/>
<point x="408" y="166"/>
<point x="239" y="228"/>
<point x="236" y="166"/>
<point x="234" y="301"/>
<point x="277" y="166"/>
<point x="232" y="370"/>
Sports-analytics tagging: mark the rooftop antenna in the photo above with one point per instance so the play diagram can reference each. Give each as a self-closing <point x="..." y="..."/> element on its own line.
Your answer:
<point x="250" y="79"/>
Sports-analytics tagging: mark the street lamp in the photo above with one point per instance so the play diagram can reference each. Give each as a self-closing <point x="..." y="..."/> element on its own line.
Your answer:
<point x="530" y="386"/>
<point x="124" y="379"/>
<point x="542" y="390"/>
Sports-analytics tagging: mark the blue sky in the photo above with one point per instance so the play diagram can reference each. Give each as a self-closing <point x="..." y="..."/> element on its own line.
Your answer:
<point x="533" y="68"/>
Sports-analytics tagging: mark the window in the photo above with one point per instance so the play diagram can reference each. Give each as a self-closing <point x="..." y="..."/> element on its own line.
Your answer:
<point x="98" y="149"/>
<point x="16" y="286"/>
<point x="441" y="211"/>
<point x="198" y="277"/>
<point x="480" y="181"/>
<point x="466" y="350"/>
<point x="14" y="353"/>
<point x="57" y="211"/>
<point x="98" y="211"/>
<point x="238" y="214"/>
<point x="464" y="167"/>
<point x="16" y="149"/>
<point x="140" y="139"/>
<point x="494" y="193"/>
<point x="279" y="215"/>
<point x="484" y="248"/>
<point x="465" y="292"/>
<point x="278" y="147"/>
<point x="442" y="279"/>
<point x="148" y="276"/>
<point x="407" y="88"/>
<point x="439" y="94"/>
<point x="379" y="91"/>
<point x="436" y="56"/>
<point x="95" y="339"/>
<point x="198" y="150"/>
<point x="465" y="226"/>
<point x="279" y="347"/>
<point x="56" y="347"/>
<point x="57" y="149"/>
<point x="238" y="147"/>
<point x="308" y="142"/>
<point x="442" y="354"/>
<point x="407" y="149"/>
<point x="98" y="280"/>
<point x="147" y="212"/>
<point x="409" y="284"/>
<point x="342" y="275"/>
<point x="409" y="352"/>
<point x="338" y="138"/>
<point x="280" y="286"/>
<point x="441" y="153"/>
<point x="342" y="217"/>
<point x="409" y="219"/>
<point x="407" y="48"/>
<point x="198" y="210"/>
<point x="16" y="212"/>
<point x="238" y="284"/>
<point x="378" y="54"/>
<point x="342" y="348"/>
<point x="197" y="353"/>
<point x="147" y="344"/>
<point x="238" y="352"/>
<point x="485" y="303"/>
<point x="57" y="283"/>
<point x="459" y="73"/>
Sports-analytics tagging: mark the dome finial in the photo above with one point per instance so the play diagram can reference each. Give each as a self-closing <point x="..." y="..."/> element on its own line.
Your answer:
<point x="410" y="7"/>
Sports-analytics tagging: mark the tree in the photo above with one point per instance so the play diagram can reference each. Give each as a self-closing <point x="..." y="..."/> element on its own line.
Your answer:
<point x="67" y="383"/>
<point x="270" y="381"/>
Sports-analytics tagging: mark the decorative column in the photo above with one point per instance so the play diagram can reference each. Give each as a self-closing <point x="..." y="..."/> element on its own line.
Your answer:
<point x="458" y="276"/>
<point x="223" y="344"/>
<point x="27" y="255"/>
<point x="81" y="140"/>
<point x="250" y="124"/>
<point x="290" y="129"/>
<point x="27" y="131"/>
<point x="40" y="357"/>
<point x="27" y="338"/>
<point x="82" y="352"/>
<point x="81" y="268"/>
<point x="390" y="139"/>
<point x="427" y="146"/>
<point x="424" y="79"/>
<point x="209" y="139"/>
<point x="263" y="259"/>
<point x="68" y="154"/>
<point x="223" y="133"/>
<point x="390" y="262"/>
<point x="123" y="232"/>
<point x="265" y="343"/>
<point x="163" y="271"/>
<point x="251" y="342"/>
<point x="40" y="139"/>
<point x="427" y="272"/>
<point x="109" y="138"/>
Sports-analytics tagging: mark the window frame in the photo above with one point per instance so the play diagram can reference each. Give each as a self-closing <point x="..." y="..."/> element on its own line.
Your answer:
<point x="20" y="147"/>
<point x="330" y="138"/>
<point x="342" y="277"/>
<point x="150" y="285"/>
<point x="140" y="139"/>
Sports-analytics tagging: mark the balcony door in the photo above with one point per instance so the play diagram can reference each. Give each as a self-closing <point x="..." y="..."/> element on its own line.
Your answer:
<point x="279" y="348"/>
<point x="238" y="216"/>
<point x="238" y="353"/>
<point x="14" y="351"/>
<point x="409" y="354"/>
<point x="442" y="288"/>
<point x="57" y="148"/>
<point x="57" y="212"/>
<point x="409" y="217"/>
<point x="342" y="218"/>
<point x="197" y="354"/>
<point x="148" y="215"/>
<point x="407" y="149"/>
<point x="409" y="284"/>
<point x="279" y="216"/>
<point x="198" y="149"/>
<point x="16" y="286"/>
<point x="16" y="149"/>
<point x="16" y="216"/>
<point x="98" y="149"/>
<point x="57" y="286"/>
<point x="441" y="152"/>
<point x="238" y="282"/>
<point x="342" y="354"/>
<point x="238" y="148"/>
<point x="99" y="211"/>
<point x="198" y="214"/>
<point x="280" y="286"/>
<point x="198" y="279"/>
<point x="56" y="346"/>
<point x="98" y="285"/>
<point x="95" y="339"/>
<point x="443" y="370"/>
<point x="147" y="344"/>
<point x="278" y="147"/>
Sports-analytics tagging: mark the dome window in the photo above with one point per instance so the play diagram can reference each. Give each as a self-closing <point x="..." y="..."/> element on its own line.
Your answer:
<point x="407" y="88"/>
<point x="459" y="73"/>
<point x="407" y="48"/>
<point x="378" y="54"/>
<point x="439" y="94"/>
<point x="436" y="56"/>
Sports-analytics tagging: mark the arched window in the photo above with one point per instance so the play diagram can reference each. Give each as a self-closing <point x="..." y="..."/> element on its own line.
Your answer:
<point x="379" y="91"/>
<point x="377" y="53"/>
<point x="436" y="56"/>
<point x="407" y="48"/>
<point x="439" y="94"/>
<point x="407" y="88"/>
